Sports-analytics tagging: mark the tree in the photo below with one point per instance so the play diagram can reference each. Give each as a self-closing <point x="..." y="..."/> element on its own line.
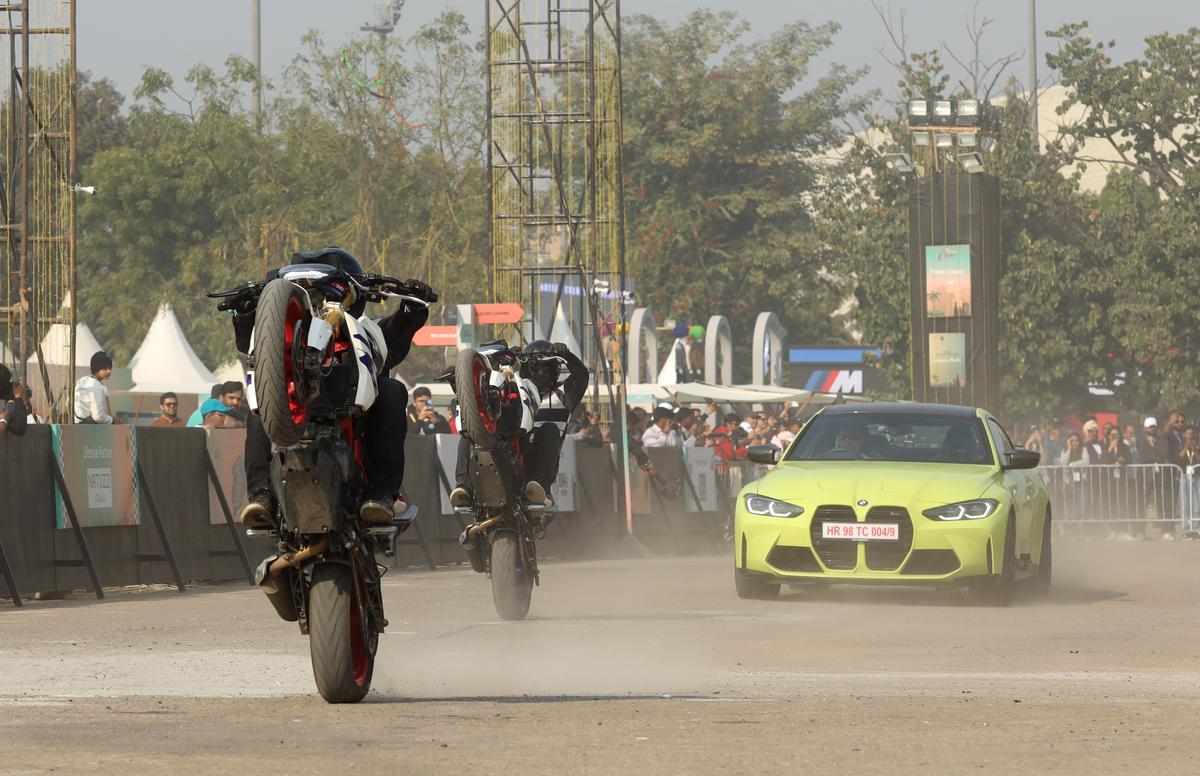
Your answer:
<point x="722" y="150"/>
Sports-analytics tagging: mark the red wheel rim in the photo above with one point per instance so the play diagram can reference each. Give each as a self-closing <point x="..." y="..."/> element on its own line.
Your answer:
<point x="479" y="371"/>
<point x="295" y="314"/>
<point x="358" y="649"/>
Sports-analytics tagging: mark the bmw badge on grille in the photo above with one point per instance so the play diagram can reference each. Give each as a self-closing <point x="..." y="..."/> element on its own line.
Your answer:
<point x="862" y="502"/>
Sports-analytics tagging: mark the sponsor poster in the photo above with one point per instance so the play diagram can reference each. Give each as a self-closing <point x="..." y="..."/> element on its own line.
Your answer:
<point x="699" y="463"/>
<point x="97" y="465"/>
<point x="948" y="280"/>
<point x="564" y="486"/>
<point x="227" y="448"/>
<point x="948" y="360"/>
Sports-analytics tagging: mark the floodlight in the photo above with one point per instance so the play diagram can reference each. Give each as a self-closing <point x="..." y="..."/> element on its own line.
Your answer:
<point x="968" y="112"/>
<point x="971" y="163"/>
<point x="968" y="140"/>
<point x="988" y="145"/>
<point x="921" y="138"/>
<point x="918" y="109"/>
<point x="944" y="141"/>
<point x="943" y="111"/>
<point x="900" y="162"/>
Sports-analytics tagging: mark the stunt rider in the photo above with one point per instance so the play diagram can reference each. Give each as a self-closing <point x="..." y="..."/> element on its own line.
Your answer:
<point x="550" y="422"/>
<point x="382" y="428"/>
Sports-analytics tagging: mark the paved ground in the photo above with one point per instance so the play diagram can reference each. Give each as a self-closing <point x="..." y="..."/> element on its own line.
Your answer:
<point x="629" y="667"/>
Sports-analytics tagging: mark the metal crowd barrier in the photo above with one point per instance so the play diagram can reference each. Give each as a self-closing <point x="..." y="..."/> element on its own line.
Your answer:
<point x="1162" y="494"/>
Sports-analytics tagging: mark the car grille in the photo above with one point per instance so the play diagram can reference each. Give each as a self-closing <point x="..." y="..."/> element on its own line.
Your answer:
<point x="793" y="559"/>
<point x="931" y="562"/>
<point x="887" y="556"/>
<point x="840" y="554"/>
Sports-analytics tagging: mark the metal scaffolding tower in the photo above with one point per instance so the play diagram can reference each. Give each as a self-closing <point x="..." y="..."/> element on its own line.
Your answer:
<point x="37" y="181"/>
<point x="554" y="153"/>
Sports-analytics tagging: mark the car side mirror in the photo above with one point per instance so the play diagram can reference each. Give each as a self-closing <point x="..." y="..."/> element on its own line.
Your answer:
<point x="768" y="454"/>
<point x="1020" y="458"/>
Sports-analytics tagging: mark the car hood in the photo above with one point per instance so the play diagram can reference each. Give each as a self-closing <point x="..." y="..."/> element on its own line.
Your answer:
<point x="879" y="483"/>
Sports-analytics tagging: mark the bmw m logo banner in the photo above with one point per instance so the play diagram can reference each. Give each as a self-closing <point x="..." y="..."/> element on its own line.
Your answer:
<point x="846" y="381"/>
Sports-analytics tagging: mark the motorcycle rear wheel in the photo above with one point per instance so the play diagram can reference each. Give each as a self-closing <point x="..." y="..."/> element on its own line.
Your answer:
<point x="341" y="647"/>
<point x="278" y="386"/>
<point x="512" y="586"/>
<point x="469" y="369"/>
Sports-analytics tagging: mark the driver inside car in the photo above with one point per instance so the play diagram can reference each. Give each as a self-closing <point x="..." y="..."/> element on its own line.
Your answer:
<point x="382" y="428"/>
<point x="540" y="366"/>
<point x="850" y="439"/>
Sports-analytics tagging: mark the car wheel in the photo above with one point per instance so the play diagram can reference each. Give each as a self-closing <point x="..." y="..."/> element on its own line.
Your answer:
<point x="1045" y="570"/>
<point x="997" y="589"/>
<point x="750" y="588"/>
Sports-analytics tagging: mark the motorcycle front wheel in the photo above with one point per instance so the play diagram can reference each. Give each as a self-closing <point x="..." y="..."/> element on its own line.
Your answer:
<point x="512" y="585"/>
<point x="280" y="334"/>
<point x="470" y="373"/>
<point x="340" y="642"/>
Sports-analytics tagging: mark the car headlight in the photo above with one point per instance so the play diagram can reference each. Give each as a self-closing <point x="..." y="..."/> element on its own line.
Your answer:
<point x="769" y="507"/>
<point x="964" y="510"/>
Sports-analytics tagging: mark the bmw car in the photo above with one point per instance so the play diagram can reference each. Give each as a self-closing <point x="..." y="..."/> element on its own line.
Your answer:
<point x="895" y="493"/>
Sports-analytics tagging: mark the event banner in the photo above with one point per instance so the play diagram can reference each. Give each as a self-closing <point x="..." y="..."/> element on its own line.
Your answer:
<point x="97" y="465"/>
<point x="948" y="280"/>
<point x="563" y="490"/>
<point x="700" y="463"/>
<point x="948" y="360"/>
<point x="226" y="447"/>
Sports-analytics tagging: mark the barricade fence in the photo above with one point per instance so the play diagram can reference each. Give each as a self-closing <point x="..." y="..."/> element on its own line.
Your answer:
<point x="1130" y="494"/>
<point x="110" y="506"/>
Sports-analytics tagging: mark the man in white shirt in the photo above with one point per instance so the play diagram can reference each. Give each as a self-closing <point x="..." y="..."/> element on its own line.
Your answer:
<point x="660" y="433"/>
<point x="91" y="395"/>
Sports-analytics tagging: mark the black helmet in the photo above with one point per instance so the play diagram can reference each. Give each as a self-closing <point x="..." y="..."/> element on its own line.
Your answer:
<point x="334" y="257"/>
<point x="543" y="372"/>
<point x="341" y="259"/>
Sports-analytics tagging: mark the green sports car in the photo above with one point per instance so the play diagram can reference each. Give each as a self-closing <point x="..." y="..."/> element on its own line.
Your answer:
<point x="898" y="493"/>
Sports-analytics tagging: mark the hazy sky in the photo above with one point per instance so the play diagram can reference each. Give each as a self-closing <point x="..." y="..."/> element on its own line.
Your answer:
<point x="119" y="38"/>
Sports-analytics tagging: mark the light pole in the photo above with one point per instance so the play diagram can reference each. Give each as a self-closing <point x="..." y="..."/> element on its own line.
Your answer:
<point x="256" y="55"/>
<point x="1033" y="77"/>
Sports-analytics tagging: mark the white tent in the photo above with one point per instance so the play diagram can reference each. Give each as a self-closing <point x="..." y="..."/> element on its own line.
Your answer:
<point x="232" y="371"/>
<point x="56" y="345"/>
<point x="166" y="362"/>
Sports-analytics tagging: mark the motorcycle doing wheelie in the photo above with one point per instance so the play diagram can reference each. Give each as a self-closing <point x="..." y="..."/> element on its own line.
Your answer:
<point x="313" y="371"/>
<point x="498" y="408"/>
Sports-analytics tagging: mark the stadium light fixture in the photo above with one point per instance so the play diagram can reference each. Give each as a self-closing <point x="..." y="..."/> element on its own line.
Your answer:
<point x="967" y="140"/>
<point x="921" y="139"/>
<point x="971" y="163"/>
<point x="943" y="111"/>
<point x="968" y="112"/>
<point x="918" y="109"/>
<point x="944" y="141"/>
<point x="900" y="162"/>
<point x="988" y="145"/>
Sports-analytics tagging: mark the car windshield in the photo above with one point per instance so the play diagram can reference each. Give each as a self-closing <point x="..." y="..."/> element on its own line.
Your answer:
<point x="893" y="436"/>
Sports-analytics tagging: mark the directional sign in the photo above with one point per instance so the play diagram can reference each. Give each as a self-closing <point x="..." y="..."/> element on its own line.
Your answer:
<point x="443" y="336"/>
<point x="498" y="313"/>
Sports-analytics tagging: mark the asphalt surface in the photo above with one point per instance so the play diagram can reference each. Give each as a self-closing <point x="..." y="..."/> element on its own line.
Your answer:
<point x="629" y="666"/>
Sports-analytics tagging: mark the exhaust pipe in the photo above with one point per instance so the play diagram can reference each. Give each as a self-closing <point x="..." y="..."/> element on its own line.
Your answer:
<point x="294" y="559"/>
<point x="276" y="578"/>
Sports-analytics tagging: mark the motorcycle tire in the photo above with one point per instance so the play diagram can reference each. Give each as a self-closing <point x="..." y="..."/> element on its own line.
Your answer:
<point x="469" y="368"/>
<point x="343" y="655"/>
<point x="282" y="310"/>
<point x="512" y="587"/>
